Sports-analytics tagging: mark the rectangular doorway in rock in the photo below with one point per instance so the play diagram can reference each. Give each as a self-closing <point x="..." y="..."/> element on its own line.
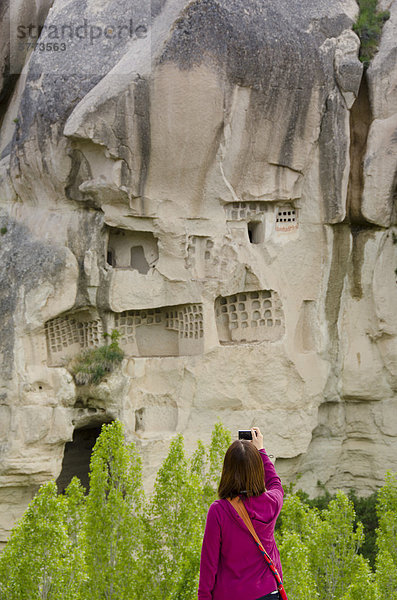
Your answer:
<point x="77" y="456"/>
<point x="136" y="250"/>
<point x="254" y="214"/>
<point x="256" y="233"/>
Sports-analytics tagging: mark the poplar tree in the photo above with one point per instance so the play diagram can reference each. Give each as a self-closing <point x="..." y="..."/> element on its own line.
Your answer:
<point x="42" y="560"/>
<point x="297" y="574"/>
<point x="113" y="526"/>
<point x="207" y="463"/>
<point x="174" y="530"/>
<point x="386" y="540"/>
<point x="328" y="543"/>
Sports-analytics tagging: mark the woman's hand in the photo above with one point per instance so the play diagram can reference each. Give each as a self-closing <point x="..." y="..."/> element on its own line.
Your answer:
<point x="257" y="438"/>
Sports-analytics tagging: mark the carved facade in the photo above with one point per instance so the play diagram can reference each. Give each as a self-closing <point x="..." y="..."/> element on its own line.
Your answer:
<point x="250" y="317"/>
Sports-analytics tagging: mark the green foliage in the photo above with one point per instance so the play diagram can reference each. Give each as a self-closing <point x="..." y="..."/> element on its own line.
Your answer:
<point x="113" y="529"/>
<point x="175" y="530"/>
<point x="363" y="583"/>
<point x="207" y="464"/>
<point x="386" y="560"/>
<point x="3" y="230"/>
<point x="369" y="28"/>
<point x="297" y="573"/>
<point x="365" y="510"/>
<point x="91" y="366"/>
<point x="42" y="560"/>
<point x="334" y="547"/>
<point x="327" y="543"/>
<point x="115" y="544"/>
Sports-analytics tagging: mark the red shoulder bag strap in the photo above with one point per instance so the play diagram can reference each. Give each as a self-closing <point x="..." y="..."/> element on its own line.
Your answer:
<point x="239" y="507"/>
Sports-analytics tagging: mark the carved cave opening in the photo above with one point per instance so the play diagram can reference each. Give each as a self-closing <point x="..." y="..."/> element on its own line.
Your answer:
<point x="138" y="260"/>
<point x="164" y="331"/>
<point x="255" y="232"/>
<point x="135" y="250"/>
<point x="67" y="335"/>
<point x="360" y="122"/>
<point x="111" y="257"/>
<point x="249" y="317"/>
<point x="77" y="456"/>
<point x="262" y="216"/>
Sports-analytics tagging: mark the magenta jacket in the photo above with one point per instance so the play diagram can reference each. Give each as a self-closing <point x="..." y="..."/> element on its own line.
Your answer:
<point x="232" y="567"/>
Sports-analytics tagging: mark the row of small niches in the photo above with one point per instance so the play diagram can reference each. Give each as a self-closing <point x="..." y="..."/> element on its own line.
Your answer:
<point x="260" y="323"/>
<point x="286" y="216"/>
<point x="241" y="306"/>
<point x="63" y="334"/>
<point x="192" y="334"/>
<point x="193" y="242"/>
<point x="137" y="320"/>
<point x="157" y="316"/>
<point x="181" y="326"/>
<point x="239" y="302"/>
<point x="242" y="210"/>
<point x="256" y="315"/>
<point x="243" y="297"/>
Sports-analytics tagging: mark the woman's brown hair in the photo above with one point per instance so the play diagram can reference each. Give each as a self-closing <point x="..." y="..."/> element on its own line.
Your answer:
<point x="242" y="472"/>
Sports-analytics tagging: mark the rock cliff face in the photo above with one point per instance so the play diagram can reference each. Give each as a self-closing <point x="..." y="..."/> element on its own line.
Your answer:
<point x="215" y="179"/>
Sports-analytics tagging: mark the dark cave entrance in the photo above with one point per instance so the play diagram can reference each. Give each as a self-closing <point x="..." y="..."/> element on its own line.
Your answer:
<point x="77" y="456"/>
<point x="360" y="121"/>
<point x="255" y="232"/>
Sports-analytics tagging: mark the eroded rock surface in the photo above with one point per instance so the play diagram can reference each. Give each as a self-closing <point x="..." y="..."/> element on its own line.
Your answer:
<point x="216" y="180"/>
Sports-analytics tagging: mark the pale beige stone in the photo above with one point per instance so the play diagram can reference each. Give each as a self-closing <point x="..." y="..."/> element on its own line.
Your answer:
<point x="384" y="284"/>
<point x="379" y="167"/>
<point x="35" y="422"/>
<point x="5" y="420"/>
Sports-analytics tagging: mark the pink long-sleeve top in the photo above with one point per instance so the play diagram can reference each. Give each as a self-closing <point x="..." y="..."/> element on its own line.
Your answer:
<point x="232" y="567"/>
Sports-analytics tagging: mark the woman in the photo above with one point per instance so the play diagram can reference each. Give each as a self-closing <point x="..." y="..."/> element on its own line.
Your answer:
<point x="232" y="566"/>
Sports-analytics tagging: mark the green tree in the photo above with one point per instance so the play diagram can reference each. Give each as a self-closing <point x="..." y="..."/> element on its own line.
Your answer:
<point x="113" y="527"/>
<point x="334" y="549"/>
<point x="364" y="507"/>
<point x="42" y="560"/>
<point x="362" y="584"/>
<point x="75" y="512"/>
<point x="386" y="541"/>
<point x="297" y="574"/>
<point x="207" y="464"/>
<point x="298" y="524"/>
<point x="330" y="541"/>
<point x="369" y="28"/>
<point x="174" y="530"/>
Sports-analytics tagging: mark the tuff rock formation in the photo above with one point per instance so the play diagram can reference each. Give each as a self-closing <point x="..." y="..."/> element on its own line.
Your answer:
<point x="215" y="179"/>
